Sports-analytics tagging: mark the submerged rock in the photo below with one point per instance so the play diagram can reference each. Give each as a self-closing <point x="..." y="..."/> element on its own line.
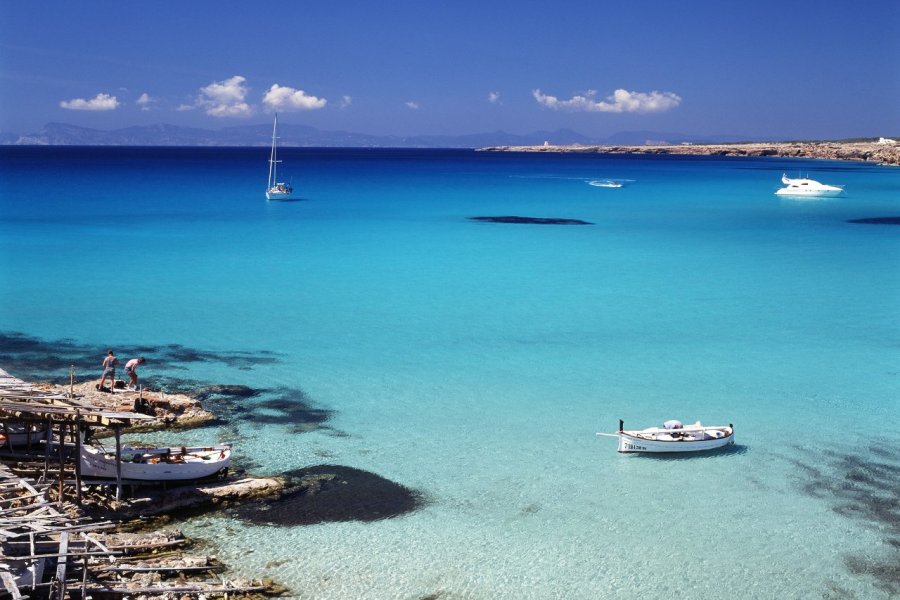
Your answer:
<point x="877" y="221"/>
<point x="333" y="493"/>
<point x="531" y="220"/>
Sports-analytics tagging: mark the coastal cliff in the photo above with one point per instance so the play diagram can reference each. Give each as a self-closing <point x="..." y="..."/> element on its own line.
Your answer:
<point x="884" y="154"/>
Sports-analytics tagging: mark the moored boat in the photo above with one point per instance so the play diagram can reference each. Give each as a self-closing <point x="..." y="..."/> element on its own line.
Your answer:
<point x="807" y="187"/>
<point x="607" y="183"/>
<point x="276" y="190"/>
<point x="156" y="464"/>
<point x="21" y="434"/>
<point x="673" y="436"/>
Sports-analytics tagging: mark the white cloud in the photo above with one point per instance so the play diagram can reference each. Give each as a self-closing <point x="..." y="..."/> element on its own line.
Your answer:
<point x="184" y="107"/>
<point x="225" y="98"/>
<point x="412" y="105"/>
<point x="346" y="101"/>
<point x="144" y="101"/>
<point x="287" y="98"/>
<point x="620" y="101"/>
<point x="493" y="97"/>
<point x="98" y="102"/>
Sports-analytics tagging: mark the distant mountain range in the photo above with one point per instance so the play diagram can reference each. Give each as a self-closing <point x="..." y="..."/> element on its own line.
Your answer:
<point x="62" y="134"/>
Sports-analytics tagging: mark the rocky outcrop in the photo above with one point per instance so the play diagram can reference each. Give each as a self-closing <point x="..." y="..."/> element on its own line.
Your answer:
<point x="176" y="410"/>
<point x="884" y="154"/>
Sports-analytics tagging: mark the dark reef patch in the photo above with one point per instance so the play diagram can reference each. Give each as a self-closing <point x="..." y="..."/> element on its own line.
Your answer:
<point x="865" y="487"/>
<point x="877" y="221"/>
<point x="289" y="407"/>
<point x="328" y="493"/>
<point x="530" y="220"/>
<point x="33" y="358"/>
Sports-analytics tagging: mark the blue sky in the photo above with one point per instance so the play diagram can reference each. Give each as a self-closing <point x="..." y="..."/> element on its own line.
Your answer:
<point x="759" y="68"/>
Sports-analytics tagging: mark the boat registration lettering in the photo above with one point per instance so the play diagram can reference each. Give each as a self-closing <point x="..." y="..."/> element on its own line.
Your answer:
<point x="630" y="446"/>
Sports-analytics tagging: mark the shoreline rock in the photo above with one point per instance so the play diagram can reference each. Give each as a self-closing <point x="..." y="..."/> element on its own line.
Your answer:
<point x="883" y="154"/>
<point x="172" y="410"/>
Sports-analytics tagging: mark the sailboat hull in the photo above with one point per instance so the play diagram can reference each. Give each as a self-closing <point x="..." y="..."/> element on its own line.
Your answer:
<point x="275" y="195"/>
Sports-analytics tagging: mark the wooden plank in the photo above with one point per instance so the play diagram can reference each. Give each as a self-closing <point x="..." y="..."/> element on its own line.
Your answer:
<point x="99" y="545"/>
<point x="10" y="584"/>
<point x="61" y="563"/>
<point x="127" y="569"/>
<point x="199" y="588"/>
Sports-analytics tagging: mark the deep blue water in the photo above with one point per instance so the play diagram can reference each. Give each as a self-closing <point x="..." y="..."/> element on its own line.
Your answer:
<point x="474" y="362"/>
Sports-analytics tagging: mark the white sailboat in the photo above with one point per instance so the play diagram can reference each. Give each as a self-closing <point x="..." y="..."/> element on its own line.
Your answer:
<point x="276" y="190"/>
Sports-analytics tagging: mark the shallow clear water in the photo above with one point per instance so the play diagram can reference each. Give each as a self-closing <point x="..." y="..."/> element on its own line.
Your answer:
<point x="474" y="362"/>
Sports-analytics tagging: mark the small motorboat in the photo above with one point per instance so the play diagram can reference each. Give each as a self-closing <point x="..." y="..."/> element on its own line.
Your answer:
<point x="807" y="187"/>
<point x="673" y="436"/>
<point x="607" y="183"/>
<point x="156" y="464"/>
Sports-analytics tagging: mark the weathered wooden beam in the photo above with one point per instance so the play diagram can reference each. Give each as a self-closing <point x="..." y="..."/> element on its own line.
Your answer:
<point x="61" y="563"/>
<point x="10" y="584"/>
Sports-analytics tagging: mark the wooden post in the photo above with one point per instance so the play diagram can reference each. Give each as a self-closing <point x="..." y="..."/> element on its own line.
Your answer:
<point x="61" y="563"/>
<point x="118" y="430"/>
<point x="47" y="448"/>
<point x="78" y="457"/>
<point x="72" y="382"/>
<point x="84" y="571"/>
<point x="62" y="461"/>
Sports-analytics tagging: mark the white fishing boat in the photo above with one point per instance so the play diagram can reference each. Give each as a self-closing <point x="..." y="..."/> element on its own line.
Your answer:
<point x="276" y="190"/>
<point x="807" y="187"/>
<point x="20" y="434"/>
<point x="156" y="464"/>
<point x="673" y="436"/>
<point x="605" y="183"/>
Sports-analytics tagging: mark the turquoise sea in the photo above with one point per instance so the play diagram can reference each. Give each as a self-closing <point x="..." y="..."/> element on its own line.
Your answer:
<point x="377" y="328"/>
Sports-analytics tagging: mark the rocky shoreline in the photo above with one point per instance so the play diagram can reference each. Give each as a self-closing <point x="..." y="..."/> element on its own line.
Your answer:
<point x="874" y="152"/>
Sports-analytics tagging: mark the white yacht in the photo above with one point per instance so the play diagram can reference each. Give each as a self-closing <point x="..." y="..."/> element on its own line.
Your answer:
<point x="807" y="187"/>
<point x="607" y="183"/>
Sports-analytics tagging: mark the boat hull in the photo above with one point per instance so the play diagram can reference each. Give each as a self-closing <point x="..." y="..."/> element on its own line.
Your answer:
<point x="155" y="465"/>
<point x="272" y="195"/>
<point x="631" y="444"/>
<point x="809" y="193"/>
<point x="17" y="436"/>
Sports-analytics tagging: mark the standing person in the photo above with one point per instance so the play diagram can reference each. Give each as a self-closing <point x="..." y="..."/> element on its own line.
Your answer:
<point x="130" y="367"/>
<point x="109" y="368"/>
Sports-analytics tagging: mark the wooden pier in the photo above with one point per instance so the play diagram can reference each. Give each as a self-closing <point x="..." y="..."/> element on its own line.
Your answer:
<point x="49" y="549"/>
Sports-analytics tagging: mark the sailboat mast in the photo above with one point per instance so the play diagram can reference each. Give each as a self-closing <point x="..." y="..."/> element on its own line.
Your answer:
<point x="272" y="161"/>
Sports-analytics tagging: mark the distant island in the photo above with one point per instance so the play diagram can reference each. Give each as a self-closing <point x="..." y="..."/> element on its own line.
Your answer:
<point x="883" y="151"/>
<point x="886" y="151"/>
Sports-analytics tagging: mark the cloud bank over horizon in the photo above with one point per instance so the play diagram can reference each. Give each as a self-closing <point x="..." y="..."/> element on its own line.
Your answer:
<point x="621" y="101"/>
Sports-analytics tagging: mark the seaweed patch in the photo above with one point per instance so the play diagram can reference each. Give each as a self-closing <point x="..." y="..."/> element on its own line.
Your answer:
<point x="49" y="360"/>
<point x="328" y="493"/>
<point x="877" y="221"/>
<point x="864" y="487"/>
<point x="530" y="220"/>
